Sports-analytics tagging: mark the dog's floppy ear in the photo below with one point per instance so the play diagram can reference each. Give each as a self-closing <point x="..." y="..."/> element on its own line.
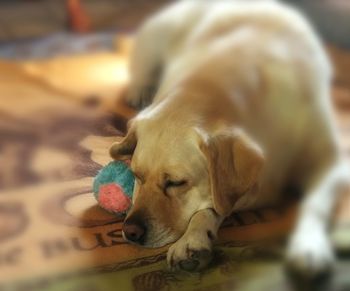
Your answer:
<point x="234" y="165"/>
<point x="125" y="148"/>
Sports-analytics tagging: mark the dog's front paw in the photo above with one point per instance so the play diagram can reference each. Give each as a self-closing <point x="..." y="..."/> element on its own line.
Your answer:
<point x="190" y="253"/>
<point x="310" y="256"/>
<point x="139" y="97"/>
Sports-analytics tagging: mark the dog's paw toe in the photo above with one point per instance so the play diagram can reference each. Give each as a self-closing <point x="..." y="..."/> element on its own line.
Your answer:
<point x="133" y="102"/>
<point x="190" y="257"/>
<point x="309" y="264"/>
<point x="139" y="98"/>
<point x="196" y="260"/>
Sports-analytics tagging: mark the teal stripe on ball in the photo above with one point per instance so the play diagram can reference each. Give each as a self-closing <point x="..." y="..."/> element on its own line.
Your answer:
<point x="115" y="172"/>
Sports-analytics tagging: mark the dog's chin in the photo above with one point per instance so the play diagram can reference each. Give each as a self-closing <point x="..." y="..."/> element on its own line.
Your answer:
<point x="152" y="242"/>
<point x="158" y="243"/>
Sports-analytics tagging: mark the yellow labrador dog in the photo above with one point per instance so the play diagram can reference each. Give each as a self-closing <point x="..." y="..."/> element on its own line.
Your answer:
<point x="236" y="98"/>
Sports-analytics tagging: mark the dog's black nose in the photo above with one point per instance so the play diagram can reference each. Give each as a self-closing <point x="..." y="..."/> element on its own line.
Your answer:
<point x="134" y="231"/>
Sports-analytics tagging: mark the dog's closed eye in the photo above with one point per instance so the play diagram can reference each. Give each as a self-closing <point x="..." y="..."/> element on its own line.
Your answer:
<point x="170" y="183"/>
<point x="171" y="187"/>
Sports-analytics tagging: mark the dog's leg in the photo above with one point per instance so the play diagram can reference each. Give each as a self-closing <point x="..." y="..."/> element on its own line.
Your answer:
<point x="145" y="65"/>
<point x="193" y="251"/>
<point x="310" y="254"/>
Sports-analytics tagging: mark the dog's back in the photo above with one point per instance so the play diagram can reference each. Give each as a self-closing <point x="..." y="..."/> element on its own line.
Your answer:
<point x="270" y="57"/>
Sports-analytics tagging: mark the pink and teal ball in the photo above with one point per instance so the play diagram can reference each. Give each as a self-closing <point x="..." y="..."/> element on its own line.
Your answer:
<point x="113" y="187"/>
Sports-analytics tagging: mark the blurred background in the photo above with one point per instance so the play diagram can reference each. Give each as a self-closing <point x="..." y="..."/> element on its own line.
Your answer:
<point x="53" y="23"/>
<point x="49" y="22"/>
<point x="63" y="71"/>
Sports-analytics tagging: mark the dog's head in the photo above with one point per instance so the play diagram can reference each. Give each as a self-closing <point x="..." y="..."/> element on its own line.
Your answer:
<point x="180" y="171"/>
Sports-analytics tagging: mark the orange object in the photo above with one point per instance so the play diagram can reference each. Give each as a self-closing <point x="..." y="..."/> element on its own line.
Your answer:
<point x="78" y="18"/>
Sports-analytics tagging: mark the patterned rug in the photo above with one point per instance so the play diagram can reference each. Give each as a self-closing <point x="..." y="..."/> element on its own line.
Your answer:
<point x="58" y="118"/>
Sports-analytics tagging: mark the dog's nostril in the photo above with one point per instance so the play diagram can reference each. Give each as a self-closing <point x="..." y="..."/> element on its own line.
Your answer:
<point x="134" y="232"/>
